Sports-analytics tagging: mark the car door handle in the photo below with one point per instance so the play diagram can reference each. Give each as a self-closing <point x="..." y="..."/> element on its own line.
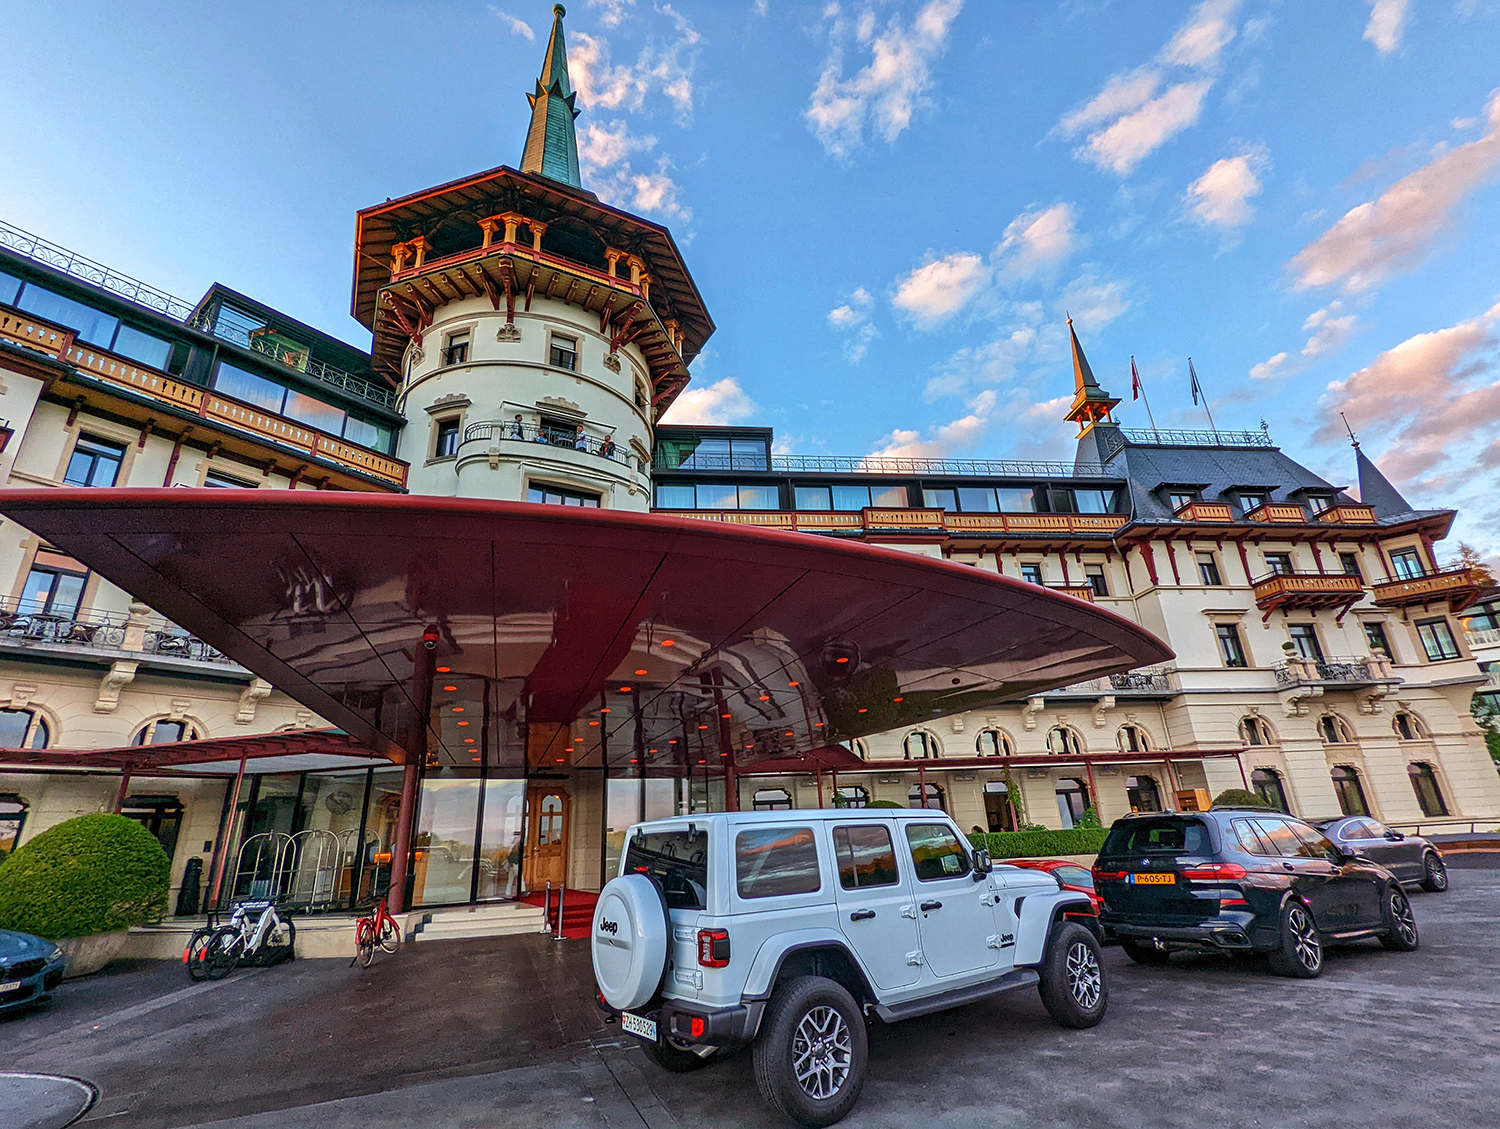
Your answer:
<point x="931" y="905"/>
<point x="862" y="915"/>
<point x="1288" y="866"/>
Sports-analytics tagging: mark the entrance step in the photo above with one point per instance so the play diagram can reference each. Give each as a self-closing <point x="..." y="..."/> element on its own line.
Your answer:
<point x="503" y="920"/>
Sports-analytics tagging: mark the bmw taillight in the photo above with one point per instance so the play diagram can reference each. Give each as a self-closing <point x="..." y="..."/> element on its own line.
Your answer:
<point x="713" y="948"/>
<point x="1215" y="872"/>
<point x="1108" y="875"/>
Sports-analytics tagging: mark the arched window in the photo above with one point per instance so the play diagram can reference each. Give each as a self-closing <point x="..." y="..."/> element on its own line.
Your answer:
<point x="164" y="731"/>
<point x="1267" y="785"/>
<point x="12" y="821"/>
<point x="935" y="798"/>
<point x="1409" y="727"/>
<point x="920" y="746"/>
<point x="773" y="799"/>
<point x="994" y="743"/>
<point x="854" y="795"/>
<point x="999" y="811"/>
<point x="1334" y="731"/>
<point x="1142" y="793"/>
<point x="1064" y="741"/>
<point x="160" y="815"/>
<point x="1133" y="739"/>
<point x="1256" y="731"/>
<point x="1424" y="783"/>
<point x="1072" y="800"/>
<point x="1350" y="793"/>
<point x="858" y="748"/>
<point x="23" y="729"/>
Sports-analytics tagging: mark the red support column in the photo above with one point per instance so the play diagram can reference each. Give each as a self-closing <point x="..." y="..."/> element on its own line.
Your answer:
<point x="820" y="787"/>
<point x="922" y="781"/>
<point x="124" y="787"/>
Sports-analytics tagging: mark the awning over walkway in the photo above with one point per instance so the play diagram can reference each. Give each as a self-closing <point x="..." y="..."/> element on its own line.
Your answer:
<point x="298" y="751"/>
<point x="574" y="637"/>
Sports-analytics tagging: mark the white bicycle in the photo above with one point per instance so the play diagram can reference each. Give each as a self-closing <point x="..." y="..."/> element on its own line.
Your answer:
<point x="256" y="934"/>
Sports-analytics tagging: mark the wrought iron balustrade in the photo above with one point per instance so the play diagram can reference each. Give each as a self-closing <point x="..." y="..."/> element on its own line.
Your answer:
<point x="296" y="359"/>
<point x="1347" y="670"/>
<point x="500" y="430"/>
<point x="1158" y="437"/>
<point x="71" y="263"/>
<point x="884" y="464"/>
<point x="1147" y="680"/>
<point x="24" y="622"/>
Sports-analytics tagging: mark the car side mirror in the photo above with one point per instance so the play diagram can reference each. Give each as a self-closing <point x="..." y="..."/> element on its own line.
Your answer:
<point x="983" y="864"/>
<point x="1394" y="836"/>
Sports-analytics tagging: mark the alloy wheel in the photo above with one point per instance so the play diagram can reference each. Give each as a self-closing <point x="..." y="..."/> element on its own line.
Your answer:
<point x="822" y="1052"/>
<point x="1401" y="915"/>
<point x="1305" y="938"/>
<point x="1084" y="980"/>
<point x="1437" y="874"/>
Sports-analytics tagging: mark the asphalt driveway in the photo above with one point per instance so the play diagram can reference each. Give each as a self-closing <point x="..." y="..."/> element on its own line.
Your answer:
<point x="504" y="1033"/>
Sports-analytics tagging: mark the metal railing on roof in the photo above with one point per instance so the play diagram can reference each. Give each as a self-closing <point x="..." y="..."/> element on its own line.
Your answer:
<point x="300" y="362"/>
<point x="71" y="263"/>
<point x="1157" y="437"/>
<point x="886" y="464"/>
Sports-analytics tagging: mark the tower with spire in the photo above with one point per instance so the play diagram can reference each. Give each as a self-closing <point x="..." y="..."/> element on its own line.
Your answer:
<point x="1091" y="404"/>
<point x="534" y="332"/>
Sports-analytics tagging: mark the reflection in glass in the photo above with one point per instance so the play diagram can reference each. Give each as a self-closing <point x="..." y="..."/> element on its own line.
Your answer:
<point x="500" y="839"/>
<point x="444" y="864"/>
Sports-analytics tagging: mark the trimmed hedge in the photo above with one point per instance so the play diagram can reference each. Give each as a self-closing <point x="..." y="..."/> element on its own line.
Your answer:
<point x="1239" y="798"/>
<point x="885" y="804"/>
<point x="89" y="875"/>
<point x="1040" y="844"/>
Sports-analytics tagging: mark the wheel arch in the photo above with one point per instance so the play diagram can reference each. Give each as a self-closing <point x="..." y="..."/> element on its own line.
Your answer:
<point x="810" y="953"/>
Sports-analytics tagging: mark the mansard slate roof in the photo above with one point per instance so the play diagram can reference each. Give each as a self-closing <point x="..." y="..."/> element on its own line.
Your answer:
<point x="1376" y="491"/>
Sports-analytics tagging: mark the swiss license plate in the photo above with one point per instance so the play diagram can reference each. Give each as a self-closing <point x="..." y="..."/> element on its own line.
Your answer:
<point x="10" y="986"/>
<point x="638" y="1025"/>
<point x="1154" y="879"/>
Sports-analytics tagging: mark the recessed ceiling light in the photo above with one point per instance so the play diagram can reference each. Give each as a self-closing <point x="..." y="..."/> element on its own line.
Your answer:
<point x="445" y="670"/>
<point x="458" y="709"/>
<point x="640" y="672"/>
<point x="669" y="642"/>
<point x="794" y="684"/>
<point x="450" y="689"/>
<point x="842" y="659"/>
<point x="593" y="723"/>
<point x="898" y="699"/>
<point x="624" y="689"/>
<point x="462" y="723"/>
<point x="864" y="711"/>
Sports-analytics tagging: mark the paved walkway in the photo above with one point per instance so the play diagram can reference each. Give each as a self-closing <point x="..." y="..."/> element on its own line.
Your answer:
<point x="485" y="1034"/>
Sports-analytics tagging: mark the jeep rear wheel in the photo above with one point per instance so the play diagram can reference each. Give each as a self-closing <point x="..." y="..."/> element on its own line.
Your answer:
<point x="1074" y="988"/>
<point x="811" y="1054"/>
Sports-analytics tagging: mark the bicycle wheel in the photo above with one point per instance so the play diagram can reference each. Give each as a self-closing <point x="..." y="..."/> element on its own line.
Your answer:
<point x="196" y="956"/>
<point x="390" y="936"/>
<point x="364" y="941"/>
<point x="223" y="952"/>
<point x="280" y="943"/>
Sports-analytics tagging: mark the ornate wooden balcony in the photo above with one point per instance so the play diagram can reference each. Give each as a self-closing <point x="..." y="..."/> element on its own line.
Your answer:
<point x="1311" y="590"/>
<point x="1460" y="587"/>
<point x="1279" y="513"/>
<point x="1204" y="511"/>
<point x="1080" y="591"/>
<point x="1348" y="514"/>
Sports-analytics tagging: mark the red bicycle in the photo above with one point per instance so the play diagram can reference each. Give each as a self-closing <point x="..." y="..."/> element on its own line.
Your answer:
<point x="381" y="929"/>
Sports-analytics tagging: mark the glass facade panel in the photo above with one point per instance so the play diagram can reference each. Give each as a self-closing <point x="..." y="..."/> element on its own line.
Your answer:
<point x="247" y="386"/>
<point x="716" y="496"/>
<point x="622" y="807"/>
<point x="977" y="500"/>
<point x="943" y="499"/>
<point x="143" y="347"/>
<point x="675" y="498"/>
<point x="314" y="412"/>
<point x="90" y="325"/>
<point x="1016" y="501"/>
<point x="1437" y="640"/>
<point x="760" y="497"/>
<point x="371" y="435"/>
<point x="892" y="497"/>
<point x="813" y="498"/>
<point x="10" y="286"/>
<point x="847" y="498"/>
<point x="749" y="454"/>
<point x="1094" y="501"/>
<point x="443" y="869"/>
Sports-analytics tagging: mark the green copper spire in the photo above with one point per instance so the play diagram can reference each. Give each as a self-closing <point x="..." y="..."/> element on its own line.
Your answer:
<point x="551" y="144"/>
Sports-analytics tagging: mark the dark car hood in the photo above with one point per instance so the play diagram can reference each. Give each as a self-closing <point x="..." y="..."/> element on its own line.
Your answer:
<point x="22" y="946"/>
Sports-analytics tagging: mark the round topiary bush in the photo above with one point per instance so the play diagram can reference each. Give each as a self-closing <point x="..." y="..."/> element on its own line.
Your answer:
<point x="884" y="804"/>
<point x="93" y="874"/>
<point x="1239" y="798"/>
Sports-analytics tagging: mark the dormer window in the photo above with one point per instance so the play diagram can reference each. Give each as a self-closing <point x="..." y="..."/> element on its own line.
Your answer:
<point x="563" y="353"/>
<point x="1250" y="502"/>
<point x="456" y="348"/>
<point x="1177" y="499"/>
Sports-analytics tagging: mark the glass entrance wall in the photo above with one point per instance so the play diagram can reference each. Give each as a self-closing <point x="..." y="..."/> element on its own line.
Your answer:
<point x="447" y="826"/>
<point x="502" y="839"/>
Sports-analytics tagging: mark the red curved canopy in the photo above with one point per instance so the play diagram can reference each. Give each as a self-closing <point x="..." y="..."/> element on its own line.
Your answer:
<point x="578" y="636"/>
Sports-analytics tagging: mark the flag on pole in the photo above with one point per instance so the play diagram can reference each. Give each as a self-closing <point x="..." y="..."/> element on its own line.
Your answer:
<point x="1197" y="391"/>
<point x="1135" y="381"/>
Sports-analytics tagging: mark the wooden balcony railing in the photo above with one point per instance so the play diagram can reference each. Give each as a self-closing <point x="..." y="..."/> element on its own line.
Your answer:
<point x="1079" y="591"/>
<point x="1278" y="513"/>
<point x="49" y="340"/>
<point x="1306" y="590"/>
<point x="1347" y="515"/>
<point x="1204" y="511"/>
<point x="1461" y="587"/>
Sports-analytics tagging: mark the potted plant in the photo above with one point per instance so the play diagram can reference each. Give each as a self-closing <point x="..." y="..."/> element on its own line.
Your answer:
<point x="83" y="884"/>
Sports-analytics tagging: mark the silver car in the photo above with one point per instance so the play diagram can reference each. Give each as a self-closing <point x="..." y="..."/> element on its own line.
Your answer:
<point x="1410" y="858"/>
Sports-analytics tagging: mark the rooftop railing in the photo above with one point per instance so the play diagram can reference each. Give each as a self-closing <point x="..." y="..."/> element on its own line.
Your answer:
<point x="1484" y="636"/>
<point x="71" y="263"/>
<point x="885" y="464"/>
<point x="1155" y="437"/>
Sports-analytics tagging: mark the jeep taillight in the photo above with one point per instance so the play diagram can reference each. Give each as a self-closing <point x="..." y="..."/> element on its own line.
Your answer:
<point x="713" y="948"/>
<point x="1215" y="872"/>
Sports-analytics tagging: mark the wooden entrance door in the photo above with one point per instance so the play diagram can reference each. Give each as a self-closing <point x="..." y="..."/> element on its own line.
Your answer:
<point x="546" y="838"/>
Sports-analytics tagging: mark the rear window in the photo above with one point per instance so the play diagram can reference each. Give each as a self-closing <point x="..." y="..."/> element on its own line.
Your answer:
<point x="1167" y="835"/>
<point x="772" y="861"/>
<point x="677" y="861"/>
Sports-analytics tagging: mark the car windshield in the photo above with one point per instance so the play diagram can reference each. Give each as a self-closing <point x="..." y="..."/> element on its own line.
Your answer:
<point x="677" y="861"/>
<point x="1164" y="835"/>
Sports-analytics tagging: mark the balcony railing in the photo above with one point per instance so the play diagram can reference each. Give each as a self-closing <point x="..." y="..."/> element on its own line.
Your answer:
<point x="1204" y="511"/>
<point x="497" y="431"/>
<point x="883" y="464"/>
<point x="1347" y="515"/>
<point x="1306" y="590"/>
<point x="24" y="622"/>
<point x="1483" y="637"/>
<point x="71" y="263"/>
<point x="296" y="359"/>
<point x="938" y="522"/>
<point x="1461" y="587"/>
<point x="1146" y="680"/>
<point x="1278" y="513"/>
<point x="1349" y="671"/>
<point x="1151" y="437"/>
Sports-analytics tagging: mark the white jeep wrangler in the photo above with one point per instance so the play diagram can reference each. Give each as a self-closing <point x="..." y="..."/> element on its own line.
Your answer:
<point x="789" y="929"/>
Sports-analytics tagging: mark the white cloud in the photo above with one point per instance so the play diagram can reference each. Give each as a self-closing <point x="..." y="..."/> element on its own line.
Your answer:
<point x="1387" y="23"/>
<point x="760" y="7"/>
<point x="1129" y="120"/>
<point x="944" y="440"/>
<point x="1396" y="230"/>
<point x="853" y="320"/>
<point x="885" y="93"/>
<point x="667" y="71"/>
<point x="1037" y="239"/>
<point x="1221" y="196"/>
<point x="1268" y="368"/>
<point x="517" y="26"/>
<point x="605" y="152"/>
<point x="614" y="11"/>
<point x="715" y="405"/>
<point x="1330" y="330"/>
<point x="937" y="290"/>
<point x="1093" y="302"/>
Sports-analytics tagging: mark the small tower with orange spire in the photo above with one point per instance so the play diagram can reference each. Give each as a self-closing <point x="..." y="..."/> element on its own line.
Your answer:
<point x="1091" y="404"/>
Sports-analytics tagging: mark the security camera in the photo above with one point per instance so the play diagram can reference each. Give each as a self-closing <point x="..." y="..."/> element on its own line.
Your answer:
<point x="430" y="638"/>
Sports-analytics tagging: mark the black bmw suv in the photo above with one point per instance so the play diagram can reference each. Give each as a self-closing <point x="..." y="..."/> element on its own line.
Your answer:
<point x="1243" y="880"/>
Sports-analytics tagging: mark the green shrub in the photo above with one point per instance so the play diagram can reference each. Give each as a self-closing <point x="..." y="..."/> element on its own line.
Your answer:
<point x="884" y="804"/>
<point x="1089" y="818"/>
<point x="1040" y="844"/>
<point x="88" y="875"/>
<point x="1239" y="798"/>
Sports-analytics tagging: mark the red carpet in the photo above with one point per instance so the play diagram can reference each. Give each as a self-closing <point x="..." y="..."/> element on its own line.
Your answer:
<point x="577" y="915"/>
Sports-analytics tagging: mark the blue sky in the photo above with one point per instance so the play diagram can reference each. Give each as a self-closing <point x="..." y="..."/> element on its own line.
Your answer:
<point x="887" y="204"/>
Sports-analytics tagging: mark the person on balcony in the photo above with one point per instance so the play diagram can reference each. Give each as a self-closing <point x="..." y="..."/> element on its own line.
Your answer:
<point x="607" y="448"/>
<point x="518" y="429"/>
<point x="581" y="440"/>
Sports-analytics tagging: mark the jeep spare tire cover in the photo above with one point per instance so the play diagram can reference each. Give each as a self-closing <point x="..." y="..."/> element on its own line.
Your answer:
<point x="630" y="941"/>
